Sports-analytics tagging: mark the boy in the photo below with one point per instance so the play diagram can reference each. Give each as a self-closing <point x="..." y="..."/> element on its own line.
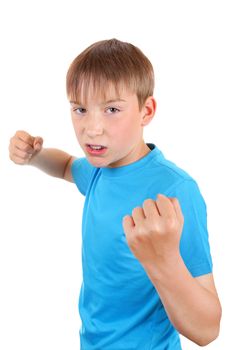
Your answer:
<point x="147" y="269"/>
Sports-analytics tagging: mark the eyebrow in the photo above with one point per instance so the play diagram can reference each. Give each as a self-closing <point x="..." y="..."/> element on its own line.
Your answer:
<point x="102" y="103"/>
<point x="75" y="102"/>
<point x="114" y="100"/>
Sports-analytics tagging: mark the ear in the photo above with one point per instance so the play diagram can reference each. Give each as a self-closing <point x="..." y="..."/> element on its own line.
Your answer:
<point x="148" y="110"/>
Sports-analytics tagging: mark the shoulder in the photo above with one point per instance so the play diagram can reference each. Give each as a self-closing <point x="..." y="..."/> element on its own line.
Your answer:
<point x="82" y="173"/>
<point x="170" y="167"/>
<point x="81" y="164"/>
<point x="168" y="174"/>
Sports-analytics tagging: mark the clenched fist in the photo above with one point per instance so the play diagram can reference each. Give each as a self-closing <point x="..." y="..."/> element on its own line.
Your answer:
<point x="23" y="147"/>
<point x="153" y="232"/>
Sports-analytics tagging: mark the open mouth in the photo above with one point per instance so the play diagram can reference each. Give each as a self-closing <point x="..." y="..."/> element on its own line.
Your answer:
<point x="96" y="149"/>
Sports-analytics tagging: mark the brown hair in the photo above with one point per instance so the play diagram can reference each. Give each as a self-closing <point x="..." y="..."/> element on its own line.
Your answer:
<point x="110" y="61"/>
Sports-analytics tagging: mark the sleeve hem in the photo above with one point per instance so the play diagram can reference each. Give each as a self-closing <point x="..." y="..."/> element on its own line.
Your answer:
<point x="200" y="270"/>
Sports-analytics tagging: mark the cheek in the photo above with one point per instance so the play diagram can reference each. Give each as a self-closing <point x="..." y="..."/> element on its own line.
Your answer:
<point x="76" y="126"/>
<point x="129" y="129"/>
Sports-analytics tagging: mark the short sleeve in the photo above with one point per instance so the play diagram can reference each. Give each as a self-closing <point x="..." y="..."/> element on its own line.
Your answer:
<point x="194" y="243"/>
<point x="82" y="171"/>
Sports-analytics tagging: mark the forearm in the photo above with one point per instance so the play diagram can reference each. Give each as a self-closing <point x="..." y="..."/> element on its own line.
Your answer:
<point x="193" y="310"/>
<point x="51" y="161"/>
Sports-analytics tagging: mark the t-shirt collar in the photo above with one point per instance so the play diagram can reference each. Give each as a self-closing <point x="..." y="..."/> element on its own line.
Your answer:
<point x="125" y="169"/>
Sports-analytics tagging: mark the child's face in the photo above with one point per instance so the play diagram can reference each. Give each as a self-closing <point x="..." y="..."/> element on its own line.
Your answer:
<point x="115" y="123"/>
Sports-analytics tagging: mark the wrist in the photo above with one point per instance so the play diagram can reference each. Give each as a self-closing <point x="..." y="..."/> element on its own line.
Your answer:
<point x="35" y="158"/>
<point x="164" y="268"/>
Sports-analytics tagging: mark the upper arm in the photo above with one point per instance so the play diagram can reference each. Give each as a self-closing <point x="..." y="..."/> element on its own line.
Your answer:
<point x="67" y="173"/>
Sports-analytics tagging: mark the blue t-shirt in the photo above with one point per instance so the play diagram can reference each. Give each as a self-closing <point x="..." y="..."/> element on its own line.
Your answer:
<point x="119" y="307"/>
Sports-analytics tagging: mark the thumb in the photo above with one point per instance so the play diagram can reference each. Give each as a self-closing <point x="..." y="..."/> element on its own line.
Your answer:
<point x="37" y="144"/>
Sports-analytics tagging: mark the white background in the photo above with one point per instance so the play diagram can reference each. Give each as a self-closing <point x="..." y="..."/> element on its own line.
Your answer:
<point x="190" y="46"/>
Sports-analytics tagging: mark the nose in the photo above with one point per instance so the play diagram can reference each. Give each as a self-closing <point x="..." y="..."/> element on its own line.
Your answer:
<point x="94" y="126"/>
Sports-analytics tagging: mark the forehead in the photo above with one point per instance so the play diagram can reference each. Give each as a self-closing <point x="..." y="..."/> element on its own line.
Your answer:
<point x="99" y="91"/>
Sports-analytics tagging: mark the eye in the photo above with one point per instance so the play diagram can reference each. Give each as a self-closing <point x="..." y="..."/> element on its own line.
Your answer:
<point x="79" y="110"/>
<point x="112" y="110"/>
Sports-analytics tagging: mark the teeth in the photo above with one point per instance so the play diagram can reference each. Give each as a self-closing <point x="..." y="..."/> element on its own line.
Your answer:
<point x="96" y="147"/>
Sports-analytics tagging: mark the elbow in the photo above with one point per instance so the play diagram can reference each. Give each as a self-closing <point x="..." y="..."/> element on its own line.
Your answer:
<point x="208" y="338"/>
<point x="211" y="333"/>
<point x="204" y="337"/>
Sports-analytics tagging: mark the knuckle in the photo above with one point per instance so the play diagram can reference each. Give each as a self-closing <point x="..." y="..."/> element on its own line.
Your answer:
<point x="25" y="156"/>
<point x="152" y="230"/>
<point x="26" y="147"/>
<point x="19" y="133"/>
<point x="11" y="156"/>
<point x="12" y="141"/>
<point x="135" y="240"/>
<point x="141" y="231"/>
<point x="136" y="210"/>
<point x="148" y="202"/>
<point x="171" y="224"/>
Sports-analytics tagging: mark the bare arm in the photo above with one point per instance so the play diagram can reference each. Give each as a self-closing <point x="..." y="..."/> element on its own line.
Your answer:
<point x="26" y="149"/>
<point x="192" y="304"/>
<point x="54" y="162"/>
<point x="153" y="234"/>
